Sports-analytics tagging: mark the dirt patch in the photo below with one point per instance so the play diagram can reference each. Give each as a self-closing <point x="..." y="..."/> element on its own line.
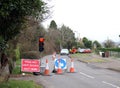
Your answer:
<point x="114" y="69"/>
<point x="20" y="75"/>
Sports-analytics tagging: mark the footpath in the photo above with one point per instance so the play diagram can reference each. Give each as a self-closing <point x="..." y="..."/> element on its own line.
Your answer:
<point x="111" y="63"/>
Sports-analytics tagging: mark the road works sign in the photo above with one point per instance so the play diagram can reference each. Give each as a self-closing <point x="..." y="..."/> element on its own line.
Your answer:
<point x="28" y="65"/>
<point x="63" y="63"/>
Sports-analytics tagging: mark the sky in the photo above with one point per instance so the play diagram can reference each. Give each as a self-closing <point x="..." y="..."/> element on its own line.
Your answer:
<point x="95" y="19"/>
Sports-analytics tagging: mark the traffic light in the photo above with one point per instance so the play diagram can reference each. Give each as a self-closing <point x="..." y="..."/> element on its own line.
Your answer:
<point x="41" y="44"/>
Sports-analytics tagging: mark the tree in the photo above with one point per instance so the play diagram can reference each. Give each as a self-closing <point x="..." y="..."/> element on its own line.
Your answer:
<point x="87" y="43"/>
<point x="53" y="25"/>
<point x="13" y="13"/>
<point x="67" y="37"/>
<point x="53" y="39"/>
<point x="109" y="43"/>
<point x="96" y="44"/>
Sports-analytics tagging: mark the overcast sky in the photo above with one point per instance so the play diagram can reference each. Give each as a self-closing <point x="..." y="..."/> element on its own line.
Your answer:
<point x="94" y="19"/>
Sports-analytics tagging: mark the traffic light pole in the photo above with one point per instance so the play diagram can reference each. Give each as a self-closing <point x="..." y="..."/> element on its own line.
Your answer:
<point x="41" y="55"/>
<point x="41" y="48"/>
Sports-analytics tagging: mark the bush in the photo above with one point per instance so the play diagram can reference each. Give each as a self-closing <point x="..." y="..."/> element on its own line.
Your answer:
<point x="110" y="49"/>
<point x="31" y="55"/>
<point x="16" y="70"/>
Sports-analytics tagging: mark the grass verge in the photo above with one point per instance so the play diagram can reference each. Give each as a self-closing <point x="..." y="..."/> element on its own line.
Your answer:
<point x="19" y="84"/>
<point x="88" y="58"/>
<point x="94" y="60"/>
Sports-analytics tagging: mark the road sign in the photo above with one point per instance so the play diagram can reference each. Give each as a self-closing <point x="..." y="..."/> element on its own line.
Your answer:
<point x="63" y="63"/>
<point x="28" y="65"/>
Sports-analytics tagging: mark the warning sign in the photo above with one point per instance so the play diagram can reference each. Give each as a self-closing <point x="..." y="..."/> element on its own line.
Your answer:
<point x="28" y="65"/>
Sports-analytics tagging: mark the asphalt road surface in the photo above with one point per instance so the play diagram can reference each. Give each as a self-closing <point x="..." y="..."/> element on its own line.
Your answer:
<point x="85" y="76"/>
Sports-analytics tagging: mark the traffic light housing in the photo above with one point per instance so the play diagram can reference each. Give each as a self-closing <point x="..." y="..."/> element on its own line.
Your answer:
<point x="41" y="44"/>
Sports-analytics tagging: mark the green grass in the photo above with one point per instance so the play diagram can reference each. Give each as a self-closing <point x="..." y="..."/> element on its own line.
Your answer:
<point x="81" y="54"/>
<point x="96" y="60"/>
<point x="87" y="57"/>
<point x="19" y="84"/>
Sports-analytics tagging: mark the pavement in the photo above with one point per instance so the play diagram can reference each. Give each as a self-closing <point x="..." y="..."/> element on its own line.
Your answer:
<point x="111" y="63"/>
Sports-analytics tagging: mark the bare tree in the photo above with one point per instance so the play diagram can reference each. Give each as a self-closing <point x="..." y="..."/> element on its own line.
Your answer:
<point x="109" y="43"/>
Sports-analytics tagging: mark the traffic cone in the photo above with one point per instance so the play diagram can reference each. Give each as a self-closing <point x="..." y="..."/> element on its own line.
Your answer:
<point x="47" y="71"/>
<point x="72" y="70"/>
<point x="59" y="70"/>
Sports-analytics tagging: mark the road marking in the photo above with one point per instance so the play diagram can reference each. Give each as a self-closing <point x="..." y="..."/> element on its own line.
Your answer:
<point x="111" y="84"/>
<point x="87" y="75"/>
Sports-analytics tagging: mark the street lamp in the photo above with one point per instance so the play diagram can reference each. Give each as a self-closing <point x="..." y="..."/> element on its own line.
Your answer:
<point x="77" y="35"/>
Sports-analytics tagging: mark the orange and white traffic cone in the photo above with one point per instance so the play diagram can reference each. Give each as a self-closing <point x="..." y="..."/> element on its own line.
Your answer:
<point x="59" y="70"/>
<point x="72" y="70"/>
<point x="47" y="71"/>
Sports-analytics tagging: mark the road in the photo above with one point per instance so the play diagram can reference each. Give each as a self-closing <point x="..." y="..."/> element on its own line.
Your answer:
<point x="85" y="76"/>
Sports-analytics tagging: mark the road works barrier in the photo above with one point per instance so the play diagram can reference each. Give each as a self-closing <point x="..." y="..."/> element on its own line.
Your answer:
<point x="47" y="71"/>
<point x="72" y="69"/>
<point x="59" y="70"/>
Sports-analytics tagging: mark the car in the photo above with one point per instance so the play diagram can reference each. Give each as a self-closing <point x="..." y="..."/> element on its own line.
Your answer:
<point x="84" y="50"/>
<point x="74" y="50"/>
<point x="81" y="50"/>
<point x="64" y="52"/>
<point x="87" y="51"/>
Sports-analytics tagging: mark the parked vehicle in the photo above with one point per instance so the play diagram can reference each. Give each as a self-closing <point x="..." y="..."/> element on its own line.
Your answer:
<point x="64" y="52"/>
<point x="74" y="50"/>
<point x="87" y="51"/>
<point x="80" y="50"/>
<point x="84" y="50"/>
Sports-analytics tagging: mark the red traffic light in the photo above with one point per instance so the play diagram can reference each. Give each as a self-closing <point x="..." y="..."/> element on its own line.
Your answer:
<point x="41" y="44"/>
<point x="41" y="39"/>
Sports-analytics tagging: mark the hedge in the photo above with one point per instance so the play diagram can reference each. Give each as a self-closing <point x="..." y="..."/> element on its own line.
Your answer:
<point x="110" y="49"/>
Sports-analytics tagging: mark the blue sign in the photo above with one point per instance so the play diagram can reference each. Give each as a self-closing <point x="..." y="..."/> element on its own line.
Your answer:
<point x="62" y="63"/>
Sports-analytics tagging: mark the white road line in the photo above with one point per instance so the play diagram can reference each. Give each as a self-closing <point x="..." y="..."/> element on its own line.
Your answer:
<point x="111" y="84"/>
<point x="87" y="75"/>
